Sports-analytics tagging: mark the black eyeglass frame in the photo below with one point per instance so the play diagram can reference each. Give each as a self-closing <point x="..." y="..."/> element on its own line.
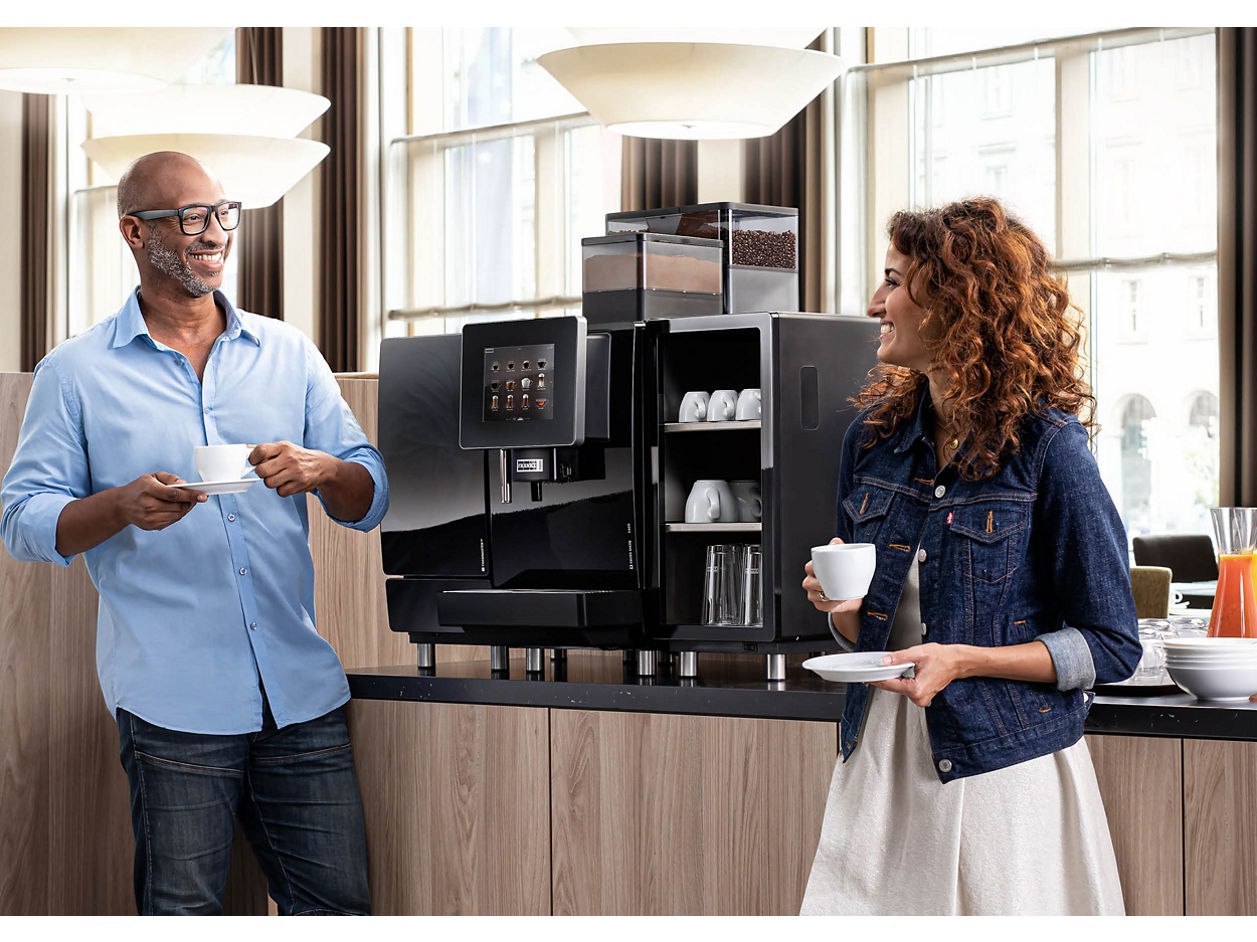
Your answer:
<point x="211" y="212"/>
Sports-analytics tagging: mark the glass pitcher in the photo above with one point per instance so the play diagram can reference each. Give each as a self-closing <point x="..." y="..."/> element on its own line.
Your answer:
<point x="1234" y="602"/>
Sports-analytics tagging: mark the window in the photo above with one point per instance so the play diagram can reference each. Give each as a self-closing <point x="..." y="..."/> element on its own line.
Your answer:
<point x="500" y="176"/>
<point x="1106" y="150"/>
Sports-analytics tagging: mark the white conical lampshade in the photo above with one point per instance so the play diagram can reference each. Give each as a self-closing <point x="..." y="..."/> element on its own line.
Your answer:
<point x="59" y="59"/>
<point x="692" y="91"/>
<point x="254" y="169"/>
<point x="264" y="110"/>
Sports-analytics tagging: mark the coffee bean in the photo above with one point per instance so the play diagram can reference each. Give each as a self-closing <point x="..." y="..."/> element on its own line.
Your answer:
<point x="764" y="249"/>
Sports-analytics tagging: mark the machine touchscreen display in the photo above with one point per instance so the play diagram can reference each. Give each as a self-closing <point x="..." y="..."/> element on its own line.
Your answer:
<point x="517" y="382"/>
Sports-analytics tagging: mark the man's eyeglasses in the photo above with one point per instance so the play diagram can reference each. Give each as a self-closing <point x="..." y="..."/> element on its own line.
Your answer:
<point x="195" y="219"/>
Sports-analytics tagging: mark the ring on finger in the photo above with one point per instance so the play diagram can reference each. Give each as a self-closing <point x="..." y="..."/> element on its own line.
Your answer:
<point x="822" y="597"/>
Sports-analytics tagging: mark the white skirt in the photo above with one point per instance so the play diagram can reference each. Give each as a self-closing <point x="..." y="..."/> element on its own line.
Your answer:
<point x="1030" y="839"/>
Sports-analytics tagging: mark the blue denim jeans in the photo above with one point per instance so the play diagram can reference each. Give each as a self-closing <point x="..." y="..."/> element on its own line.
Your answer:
<point x="294" y="791"/>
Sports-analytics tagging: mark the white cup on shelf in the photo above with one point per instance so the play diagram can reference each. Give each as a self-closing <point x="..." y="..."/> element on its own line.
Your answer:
<point x="723" y="405"/>
<point x="693" y="406"/>
<point x="711" y="501"/>
<point x="749" y="405"/>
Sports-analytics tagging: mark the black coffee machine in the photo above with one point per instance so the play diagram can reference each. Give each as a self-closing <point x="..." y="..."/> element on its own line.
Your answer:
<point x="539" y="473"/>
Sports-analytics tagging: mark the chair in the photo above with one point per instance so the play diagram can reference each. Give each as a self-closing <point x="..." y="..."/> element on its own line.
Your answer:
<point x="1189" y="555"/>
<point x="1150" y="585"/>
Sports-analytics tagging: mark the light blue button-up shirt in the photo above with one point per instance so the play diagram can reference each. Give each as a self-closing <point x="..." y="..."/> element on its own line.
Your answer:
<point x="191" y="616"/>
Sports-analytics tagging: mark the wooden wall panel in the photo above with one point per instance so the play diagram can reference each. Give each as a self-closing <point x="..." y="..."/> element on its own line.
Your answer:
<point x="457" y="803"/>
<point x="1141" y="784"/>
<point x="1220" y="827"/>
<point x="25" y="599"/>
<point x="685" y="815"/>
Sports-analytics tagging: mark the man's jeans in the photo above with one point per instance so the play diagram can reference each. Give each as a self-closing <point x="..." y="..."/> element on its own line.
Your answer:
<point x="296" y="795"/>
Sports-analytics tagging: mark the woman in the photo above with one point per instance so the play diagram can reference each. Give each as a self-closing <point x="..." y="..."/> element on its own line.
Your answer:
<point x="1002" y="575"/>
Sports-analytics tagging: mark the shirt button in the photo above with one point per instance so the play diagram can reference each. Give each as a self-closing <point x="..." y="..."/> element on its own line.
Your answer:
<point x="253" y="625"/>
<point x="944" y="765"/>
<point x="921" y="555"/>
<point x="231" y="516"/>
<point x="206" y="410"/>
<point x="243" y="571"/>
<point x="940" y="491"/>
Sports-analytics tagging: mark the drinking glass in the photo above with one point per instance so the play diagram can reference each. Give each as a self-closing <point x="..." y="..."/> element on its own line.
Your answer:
<point x="722" y="585"/>
<point x="752" y="610"/>
<point x="1234" y="612"/>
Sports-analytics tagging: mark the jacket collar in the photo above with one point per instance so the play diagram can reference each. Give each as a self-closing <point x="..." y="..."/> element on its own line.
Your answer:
<point x="917" y="429"/>
<point x="130" y="322"/>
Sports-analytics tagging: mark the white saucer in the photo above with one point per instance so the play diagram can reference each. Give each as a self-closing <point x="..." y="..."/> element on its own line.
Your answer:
<point x="220" y="487"/>
<point x="856" y="667"/>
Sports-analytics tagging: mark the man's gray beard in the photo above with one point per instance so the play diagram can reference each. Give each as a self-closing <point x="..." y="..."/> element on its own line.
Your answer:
<point x="167" y="261"/>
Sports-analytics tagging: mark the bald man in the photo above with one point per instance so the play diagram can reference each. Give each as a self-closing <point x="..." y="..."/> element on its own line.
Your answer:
<point x="228" y="702"/>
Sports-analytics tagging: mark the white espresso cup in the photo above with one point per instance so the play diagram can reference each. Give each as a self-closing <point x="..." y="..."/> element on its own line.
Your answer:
<point x="750" y="506"/>
<point x="222" y="462"/>
<point x="693" y="407"/>
<point x="723" y="405"/>
<point x="844" y="569"/>
<point x="711" y="501"/>
<point x="749" y="406"/>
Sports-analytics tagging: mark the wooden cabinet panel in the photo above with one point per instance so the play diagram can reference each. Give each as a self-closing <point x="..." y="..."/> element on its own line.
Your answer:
<point x="1220" y="827"/>
<point x="684" y="815"/>
<point x="457" y="804"/>
<point x="1141" y="784"/>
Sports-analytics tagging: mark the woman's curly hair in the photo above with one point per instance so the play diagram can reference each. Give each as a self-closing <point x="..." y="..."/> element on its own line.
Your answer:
<point x="999" y="325"/>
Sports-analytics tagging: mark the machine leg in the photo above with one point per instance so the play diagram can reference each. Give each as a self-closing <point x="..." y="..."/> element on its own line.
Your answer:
<point x="646" y="663"/>
<point x="689" y="664"/>
<point x="427" y="656"/>
<point x="534" y="660"/>
<point x="776" y="667"/>
<point x="500" y="659"/>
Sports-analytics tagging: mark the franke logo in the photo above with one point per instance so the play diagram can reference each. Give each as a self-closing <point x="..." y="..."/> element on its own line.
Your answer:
<point x="529" y="464"/>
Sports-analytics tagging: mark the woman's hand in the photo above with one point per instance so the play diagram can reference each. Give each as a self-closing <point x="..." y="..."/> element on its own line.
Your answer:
<point x="816" y="595"/>
<point x="937" y="665"/>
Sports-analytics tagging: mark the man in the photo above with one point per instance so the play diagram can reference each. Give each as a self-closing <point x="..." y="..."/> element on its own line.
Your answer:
<point x="227" y="700"/>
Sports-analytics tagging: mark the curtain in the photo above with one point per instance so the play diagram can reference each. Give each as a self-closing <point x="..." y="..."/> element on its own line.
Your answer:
<point x="340" y="271"/>
<point x="1237" y="264"/>
<point x="36" y="222"/>
<point x="787" y="169"/>
<point x="260" y="61"/>
<point x="656" y="174"/>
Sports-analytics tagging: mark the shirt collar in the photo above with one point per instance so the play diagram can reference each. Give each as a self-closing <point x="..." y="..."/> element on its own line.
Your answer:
<point x="917" y="429"/>
<point x="130" y="321"/>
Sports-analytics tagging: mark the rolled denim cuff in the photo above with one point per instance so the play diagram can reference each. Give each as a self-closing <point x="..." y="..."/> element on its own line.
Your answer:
<point x="838" y="636"/>
<point x="1071" y="656"/>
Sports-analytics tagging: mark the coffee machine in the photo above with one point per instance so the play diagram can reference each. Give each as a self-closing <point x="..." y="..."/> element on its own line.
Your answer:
<point x="539" y="471"/>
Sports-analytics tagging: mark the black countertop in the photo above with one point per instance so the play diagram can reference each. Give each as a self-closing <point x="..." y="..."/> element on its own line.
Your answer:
<point x="736" y="685"/>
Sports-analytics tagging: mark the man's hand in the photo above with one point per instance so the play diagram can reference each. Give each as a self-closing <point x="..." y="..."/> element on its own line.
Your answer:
<point x="290" y="469"/>
<point x="150" y="503"/>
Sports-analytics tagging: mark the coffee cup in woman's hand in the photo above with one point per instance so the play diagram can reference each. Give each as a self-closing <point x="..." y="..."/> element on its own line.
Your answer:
<point x="844" y="570"/>
<point x="820" y="599"/>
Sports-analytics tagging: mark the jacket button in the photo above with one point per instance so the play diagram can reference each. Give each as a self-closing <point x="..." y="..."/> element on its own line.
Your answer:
<point x="923" y="629"/>
<point x="940" y="491"/>
<point x="944" y="765"/>
<point x="921" y="556"/>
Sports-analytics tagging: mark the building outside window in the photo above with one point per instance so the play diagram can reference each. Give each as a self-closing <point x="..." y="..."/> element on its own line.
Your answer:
<point x="1105" y="150"/>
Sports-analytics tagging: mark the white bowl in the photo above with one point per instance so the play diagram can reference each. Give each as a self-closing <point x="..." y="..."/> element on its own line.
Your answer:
<point x="1215" y="683"/>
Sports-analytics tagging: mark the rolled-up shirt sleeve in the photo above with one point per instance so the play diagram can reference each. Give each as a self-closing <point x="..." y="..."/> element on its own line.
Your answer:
<point x="332" y="428"/>
<point x="49" y="469"/>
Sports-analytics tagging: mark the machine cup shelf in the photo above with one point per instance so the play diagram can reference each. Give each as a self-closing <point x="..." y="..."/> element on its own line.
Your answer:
<point x="733" y="425"/>
<point x="738" y="527"/>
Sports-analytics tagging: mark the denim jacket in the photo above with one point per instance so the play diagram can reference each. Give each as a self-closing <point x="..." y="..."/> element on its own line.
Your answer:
<point x="1035" y="552"/>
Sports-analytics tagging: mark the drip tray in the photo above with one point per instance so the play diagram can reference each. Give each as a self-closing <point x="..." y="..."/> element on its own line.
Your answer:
<point x="543" y="617"/>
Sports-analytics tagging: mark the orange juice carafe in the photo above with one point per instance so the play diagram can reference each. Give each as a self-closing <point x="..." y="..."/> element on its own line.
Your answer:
<point x="1234" y="612"/>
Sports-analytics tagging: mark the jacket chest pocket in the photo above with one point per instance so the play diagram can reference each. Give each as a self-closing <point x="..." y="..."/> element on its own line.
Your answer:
<point x="868" y="507"/>
<point x="991" y="534"/>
